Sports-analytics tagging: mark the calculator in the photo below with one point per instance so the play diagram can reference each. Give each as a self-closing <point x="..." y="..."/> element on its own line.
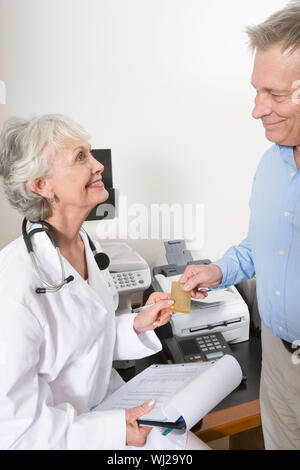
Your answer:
<point x="205" y="347"/>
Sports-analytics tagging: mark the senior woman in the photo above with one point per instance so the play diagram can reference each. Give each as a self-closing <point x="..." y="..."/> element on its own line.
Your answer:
<point x="58" y="347"/>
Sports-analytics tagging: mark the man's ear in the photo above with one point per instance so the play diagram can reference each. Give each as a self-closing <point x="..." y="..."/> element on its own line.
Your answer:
<point x="41" y="186"/>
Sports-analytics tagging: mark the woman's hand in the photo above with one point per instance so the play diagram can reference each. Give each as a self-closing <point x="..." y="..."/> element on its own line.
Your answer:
<point x="137" y="435"/>
<point x="156" y="296"/>
<point x="154" y="316"/>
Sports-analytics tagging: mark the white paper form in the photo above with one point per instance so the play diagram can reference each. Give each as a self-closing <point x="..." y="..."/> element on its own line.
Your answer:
<point x="157" y="382"/>
<point x="188" y="390"/>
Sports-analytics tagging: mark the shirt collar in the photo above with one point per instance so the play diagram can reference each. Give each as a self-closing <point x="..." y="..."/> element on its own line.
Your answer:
<point x="287" y="155"/>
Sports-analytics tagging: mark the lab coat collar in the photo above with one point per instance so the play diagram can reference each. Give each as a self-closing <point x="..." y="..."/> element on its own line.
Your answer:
<point x="100" y="283"/>
<point x="98" y="288"/>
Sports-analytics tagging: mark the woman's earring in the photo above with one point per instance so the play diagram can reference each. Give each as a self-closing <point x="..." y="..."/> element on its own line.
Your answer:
<point x="51" y="200"/>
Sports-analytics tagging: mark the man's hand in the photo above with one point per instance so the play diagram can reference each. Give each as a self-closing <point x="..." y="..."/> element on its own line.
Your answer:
<point x="137" y="435"/>
<point x="200" y="276"/>
<point x="154" y="316"/>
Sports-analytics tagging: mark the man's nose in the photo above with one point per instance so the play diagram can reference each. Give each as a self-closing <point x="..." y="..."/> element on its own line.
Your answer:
<point x="262" y="106"/>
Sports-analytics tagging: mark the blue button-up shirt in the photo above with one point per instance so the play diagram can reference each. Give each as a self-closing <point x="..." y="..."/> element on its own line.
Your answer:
<point x="272" y="247"/>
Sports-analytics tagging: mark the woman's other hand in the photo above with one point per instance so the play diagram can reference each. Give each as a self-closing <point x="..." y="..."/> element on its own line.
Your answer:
<point x="137" y="435"/>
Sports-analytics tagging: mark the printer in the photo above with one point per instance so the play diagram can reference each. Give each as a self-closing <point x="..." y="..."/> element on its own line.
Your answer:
<point x="223" y="310"/>
<point x="130" y="273"/>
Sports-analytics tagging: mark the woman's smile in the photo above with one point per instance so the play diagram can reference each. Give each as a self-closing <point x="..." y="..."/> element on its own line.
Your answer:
<point x="96" y="184"/>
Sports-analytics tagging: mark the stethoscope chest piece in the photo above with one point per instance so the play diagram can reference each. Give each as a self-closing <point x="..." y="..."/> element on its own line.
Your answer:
<point x="102" y="260"/>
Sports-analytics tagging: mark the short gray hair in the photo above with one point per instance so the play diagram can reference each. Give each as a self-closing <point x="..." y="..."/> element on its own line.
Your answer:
<point x="25" y="156"/>
<point x="283" y="28"/>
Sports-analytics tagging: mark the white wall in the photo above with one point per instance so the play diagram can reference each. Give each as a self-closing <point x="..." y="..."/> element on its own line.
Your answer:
<point x="164" y="83"/>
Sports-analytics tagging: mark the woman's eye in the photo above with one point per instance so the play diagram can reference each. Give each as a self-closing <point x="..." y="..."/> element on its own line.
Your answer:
<point x="80" y="156"/>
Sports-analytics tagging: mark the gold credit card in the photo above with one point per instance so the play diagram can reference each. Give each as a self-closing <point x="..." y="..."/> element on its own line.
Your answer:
<point x="182" y="299"/>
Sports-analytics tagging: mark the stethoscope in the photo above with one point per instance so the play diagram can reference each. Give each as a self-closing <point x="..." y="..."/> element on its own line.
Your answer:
<point x="101" y="259"/>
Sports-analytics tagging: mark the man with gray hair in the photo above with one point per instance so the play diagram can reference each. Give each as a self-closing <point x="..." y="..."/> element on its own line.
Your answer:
<point x="272" y="247"/>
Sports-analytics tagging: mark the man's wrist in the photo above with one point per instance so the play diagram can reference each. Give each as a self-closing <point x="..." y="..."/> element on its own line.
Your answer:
<point x="220" y="272"/>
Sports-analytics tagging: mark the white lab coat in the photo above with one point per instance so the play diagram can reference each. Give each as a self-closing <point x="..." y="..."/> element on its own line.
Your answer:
<point x="56" y="353"/>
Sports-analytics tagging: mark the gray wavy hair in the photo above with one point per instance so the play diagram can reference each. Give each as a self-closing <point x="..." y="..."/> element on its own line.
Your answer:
<point x="283" y="27"/>
<point x="25" y="150"/>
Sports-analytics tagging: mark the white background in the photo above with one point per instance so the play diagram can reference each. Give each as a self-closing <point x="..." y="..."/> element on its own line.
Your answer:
<point x="164" y="83"/>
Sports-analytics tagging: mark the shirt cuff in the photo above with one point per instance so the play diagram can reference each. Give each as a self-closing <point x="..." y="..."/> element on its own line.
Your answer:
<point x="226" y="281"/>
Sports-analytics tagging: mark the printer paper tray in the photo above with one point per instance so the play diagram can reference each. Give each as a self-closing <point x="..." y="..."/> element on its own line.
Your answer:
<point x="212" y="326"/>
<point x="200" y="305"/>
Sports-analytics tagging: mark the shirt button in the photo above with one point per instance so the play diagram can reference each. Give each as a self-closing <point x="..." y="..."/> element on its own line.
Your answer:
<point x="292" y="174"/>
<point x="280" y="328"/>
<point x="281" y="252"/>
<point x="286" y="214"/>
<point x="277" y="292"/>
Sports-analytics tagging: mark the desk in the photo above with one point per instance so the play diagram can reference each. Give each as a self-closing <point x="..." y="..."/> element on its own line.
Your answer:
<point x="239" y="411"/>
<point x="229" y="421"/>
